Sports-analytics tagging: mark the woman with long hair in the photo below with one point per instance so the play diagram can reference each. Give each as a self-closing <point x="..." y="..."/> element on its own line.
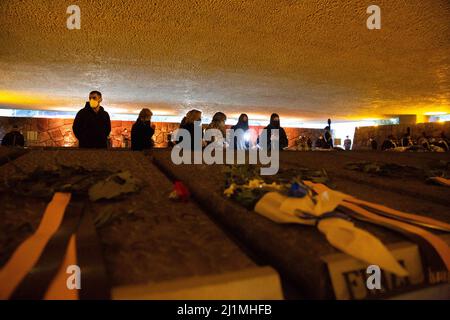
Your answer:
<point x="242" y="141"/>
<point x="190" y="121"/>
<point x="282" y="137"/>
<point x="142" y="131"/>
<point x="218" y="123"/>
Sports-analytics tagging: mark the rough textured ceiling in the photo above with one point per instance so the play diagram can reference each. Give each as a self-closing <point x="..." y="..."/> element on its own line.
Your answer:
<point x="307" y="59"/>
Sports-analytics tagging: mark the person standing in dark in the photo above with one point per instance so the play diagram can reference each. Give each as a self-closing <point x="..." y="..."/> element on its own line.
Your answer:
<point x="193" y="118"/>
<point x="274" y="124"/>
<point x="424" y="141"/>
<point x="242" y="142"/>
<point x="443" y="142"/>
<point x="320" y="143"/>
<point x="406" y="139"/>
<point x="13" y="138"/>
<point x="328" y="138"/>
<point x="389" y="143"/>
<point x="347" y="144"/>
<point x="309" y="143"/>
<point x="373" y="144"/>
<point x="218" y="123"/>
<point x="142" y="131"/>
<point x="92" y="124"/>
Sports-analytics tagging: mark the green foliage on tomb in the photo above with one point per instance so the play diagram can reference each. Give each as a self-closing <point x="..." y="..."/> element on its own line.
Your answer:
<point x="245" y="185"/>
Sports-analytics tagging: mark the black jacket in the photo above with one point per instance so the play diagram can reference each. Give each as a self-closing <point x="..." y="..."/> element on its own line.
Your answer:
<point x="190" y="127"/>
<point x="141" y="136"/>
<point x="92" y="129"/>
<point x="388" y="144"/>
<point x="328" y="140"/>
<point x="283" y="141"/>
<point x="241" y="144"/>
<point x="13" y="139"/>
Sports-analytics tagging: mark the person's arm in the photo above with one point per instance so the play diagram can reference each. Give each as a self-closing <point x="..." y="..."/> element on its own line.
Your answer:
<point x="265" y="139"/>
<point x="283" y="139"/>
<point x="151" y="130"/>
<point x="107" y="124"/>
<point x="151" y="133"/>
<point x="77" y="126"/>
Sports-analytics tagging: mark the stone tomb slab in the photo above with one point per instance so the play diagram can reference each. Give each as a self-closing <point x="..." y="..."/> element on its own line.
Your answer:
<point x="158" y="240"/>
<point x="410" y="186"/>
<point x="295" y="251"/>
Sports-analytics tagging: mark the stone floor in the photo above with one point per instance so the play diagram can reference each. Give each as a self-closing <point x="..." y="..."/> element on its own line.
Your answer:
<point x="160" y="240"/>
<point x="296" y="251"/>
<point x="156" y="239"/>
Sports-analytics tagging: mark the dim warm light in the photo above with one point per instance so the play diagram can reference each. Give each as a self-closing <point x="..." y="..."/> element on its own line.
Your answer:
<point x="435" y="113"/>
<point x="20" y="98"/>
<point x="34" y="100"/>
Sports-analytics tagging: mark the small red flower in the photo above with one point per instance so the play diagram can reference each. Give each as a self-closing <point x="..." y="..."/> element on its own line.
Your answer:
<point x="180" y="192"/>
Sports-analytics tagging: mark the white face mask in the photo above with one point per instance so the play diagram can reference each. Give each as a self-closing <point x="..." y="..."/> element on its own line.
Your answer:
<point x="94" y="103"/>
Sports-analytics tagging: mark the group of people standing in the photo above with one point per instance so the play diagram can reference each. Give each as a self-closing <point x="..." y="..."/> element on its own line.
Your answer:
<point x="193" y="118"/>
<point x="92" y="127"/>
<point x="14" y="138"/>
<point x="407" y="141"/>
<point x="325" y="141"/>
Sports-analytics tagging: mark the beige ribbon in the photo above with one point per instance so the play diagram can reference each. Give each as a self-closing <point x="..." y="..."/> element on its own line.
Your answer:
<point x="29" y="251"/>
<point x="341" y="234"/>
<point x="394" y="221"/>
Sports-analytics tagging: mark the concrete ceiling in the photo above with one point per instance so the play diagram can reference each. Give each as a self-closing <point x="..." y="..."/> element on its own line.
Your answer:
<point x="306" y="59"/>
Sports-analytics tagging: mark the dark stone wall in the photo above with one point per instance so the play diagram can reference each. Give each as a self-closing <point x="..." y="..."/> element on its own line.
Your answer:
<point x="380" y="133"/>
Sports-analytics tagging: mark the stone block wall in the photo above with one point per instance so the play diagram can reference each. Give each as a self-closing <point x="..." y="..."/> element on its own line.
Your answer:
<point x="380" y="133"/>
<point x="42" y="132"/>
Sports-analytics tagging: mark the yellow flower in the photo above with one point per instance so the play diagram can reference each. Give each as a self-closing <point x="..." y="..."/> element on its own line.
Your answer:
<point x="255" y="183"/>
<point x="230" y="190"/>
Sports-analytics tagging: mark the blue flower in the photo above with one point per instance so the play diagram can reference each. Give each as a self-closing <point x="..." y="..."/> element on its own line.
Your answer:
<point x="297" y="191"/>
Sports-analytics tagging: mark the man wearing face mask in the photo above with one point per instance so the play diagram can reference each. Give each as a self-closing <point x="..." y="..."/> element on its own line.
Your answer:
<point x="275" y="124"/>
<point x="92" y="124"/>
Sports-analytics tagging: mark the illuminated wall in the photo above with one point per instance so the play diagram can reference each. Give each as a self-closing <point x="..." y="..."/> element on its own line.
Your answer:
<point x="45" y="132"/>
<point x="42" y="132"/>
